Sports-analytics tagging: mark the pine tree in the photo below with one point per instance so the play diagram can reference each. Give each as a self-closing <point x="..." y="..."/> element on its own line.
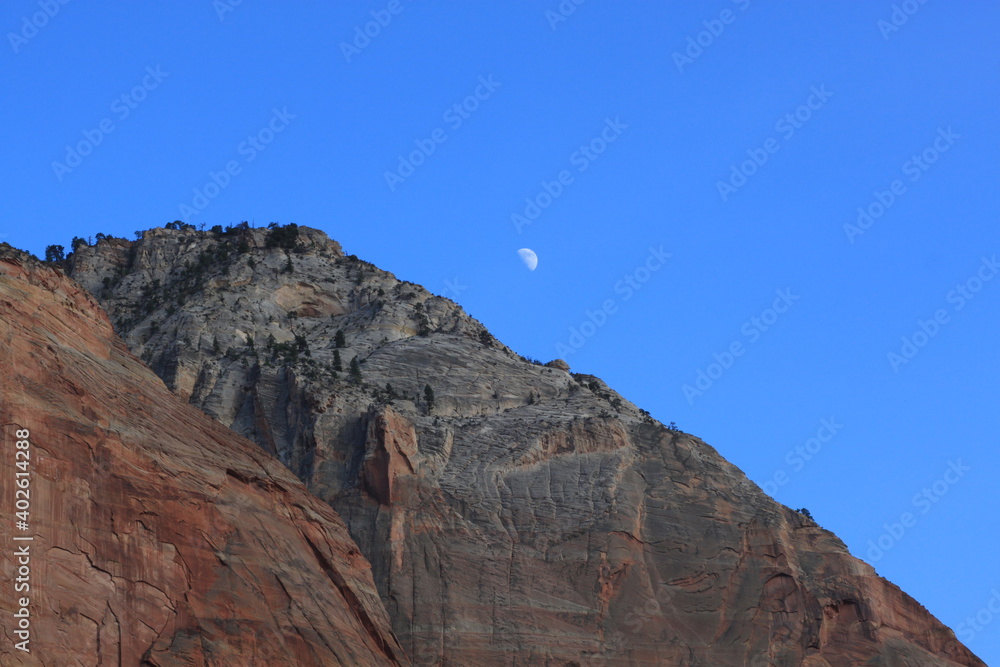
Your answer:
<point x="429" y="398"/>
<point x="355" y="371"/>
<point x="55" y="253"/>
<point x="338" y="339"/>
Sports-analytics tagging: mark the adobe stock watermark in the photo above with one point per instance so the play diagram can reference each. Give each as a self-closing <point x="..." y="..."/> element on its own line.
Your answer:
<point x="364" y="34"/>
<point x="786" y="126"/>
<point x="30" y="25"/>
<point x="627" y="287"/>
<point x="454" y="117"/>
<point x="704" y="39"/>
<point x="797" y="457"/>
<point x="640" y="616"/>
<point x="752" y="330"/>
<point x="923" y="501"/>
<point x="968" y="629"/>
<point x="899" y="17"/>
<point x="959" y="296"/>
<point x="581" y="159"/>
<point x="562" y="12"/>
<point x="654" y="609"/>
<point x="248" y="149"/>
<point x="453" y="289"/>
<point x="22" y="542"/>
<point x="223" y="7"/>
<point x="914" y="168"/>
<point x="121" y="108"/>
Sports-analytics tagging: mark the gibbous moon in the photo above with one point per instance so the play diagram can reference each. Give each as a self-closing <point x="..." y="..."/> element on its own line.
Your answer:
<point x="529" y="258"/>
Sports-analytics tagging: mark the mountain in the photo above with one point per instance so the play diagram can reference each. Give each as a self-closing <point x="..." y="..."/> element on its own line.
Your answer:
<point x="513" y="513"/>
<point x="159" y="537"/>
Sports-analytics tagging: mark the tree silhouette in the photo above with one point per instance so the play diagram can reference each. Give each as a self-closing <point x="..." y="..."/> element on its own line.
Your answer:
<point x="429" y="398"/>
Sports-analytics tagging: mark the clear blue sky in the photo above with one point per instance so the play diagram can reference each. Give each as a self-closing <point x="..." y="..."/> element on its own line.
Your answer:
<point x="645" y="129"/>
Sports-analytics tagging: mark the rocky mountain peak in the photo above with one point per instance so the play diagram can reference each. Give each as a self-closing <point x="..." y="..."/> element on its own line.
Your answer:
<point x="513" y="512"/>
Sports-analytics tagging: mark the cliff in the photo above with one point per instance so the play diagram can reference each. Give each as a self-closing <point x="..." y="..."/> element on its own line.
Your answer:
<point x="160" y="537"/>
<point x="526" y="515"/>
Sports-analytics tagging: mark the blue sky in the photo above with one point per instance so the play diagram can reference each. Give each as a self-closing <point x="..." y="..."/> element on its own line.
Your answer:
<point x="739" y="138"/>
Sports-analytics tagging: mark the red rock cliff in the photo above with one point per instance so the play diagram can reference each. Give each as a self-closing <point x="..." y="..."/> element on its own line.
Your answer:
<point x="160" y="536"/>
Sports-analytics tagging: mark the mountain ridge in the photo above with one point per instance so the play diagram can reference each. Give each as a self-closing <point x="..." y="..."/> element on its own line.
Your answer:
<point x="557" y="509"/>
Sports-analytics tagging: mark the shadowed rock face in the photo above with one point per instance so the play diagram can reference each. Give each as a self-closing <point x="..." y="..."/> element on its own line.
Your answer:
<point x="161" y="537"/>
<point x="530" y="516"/>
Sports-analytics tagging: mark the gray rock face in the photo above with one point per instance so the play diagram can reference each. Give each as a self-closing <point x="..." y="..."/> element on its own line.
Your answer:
<point x="514" y="513"/>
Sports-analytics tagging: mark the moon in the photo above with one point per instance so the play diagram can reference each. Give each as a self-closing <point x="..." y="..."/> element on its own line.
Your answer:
<point x="529" y="258"/>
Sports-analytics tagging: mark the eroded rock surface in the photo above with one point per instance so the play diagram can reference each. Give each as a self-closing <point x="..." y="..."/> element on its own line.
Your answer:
<point x="160" y="536"/>
<point x="528" y="516"/>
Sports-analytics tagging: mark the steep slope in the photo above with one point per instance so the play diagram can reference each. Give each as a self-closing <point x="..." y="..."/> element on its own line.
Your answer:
<point x="525" y="515"/>
<point x="159" y="536"/>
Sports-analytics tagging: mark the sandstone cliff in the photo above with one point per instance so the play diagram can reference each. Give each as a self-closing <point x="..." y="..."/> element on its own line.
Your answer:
<point x="160" y="537"/>
<point x="525" y="515"/>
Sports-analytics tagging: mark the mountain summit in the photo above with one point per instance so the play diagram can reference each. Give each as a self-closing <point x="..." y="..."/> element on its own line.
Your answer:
<point x="513" y="513"/>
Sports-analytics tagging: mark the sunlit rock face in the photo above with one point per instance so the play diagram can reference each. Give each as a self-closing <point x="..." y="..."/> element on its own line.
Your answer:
<point x="513" y="513"/>
<point x="160" y="537"/>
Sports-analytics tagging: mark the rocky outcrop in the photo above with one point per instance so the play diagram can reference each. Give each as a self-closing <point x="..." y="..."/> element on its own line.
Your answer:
<point x="159" y="536"/>
<point x="513" y="513"/>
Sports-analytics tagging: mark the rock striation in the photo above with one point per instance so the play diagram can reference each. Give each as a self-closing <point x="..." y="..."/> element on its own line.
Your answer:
<point x="513" y="513"/>
<point x="160" y="536"/>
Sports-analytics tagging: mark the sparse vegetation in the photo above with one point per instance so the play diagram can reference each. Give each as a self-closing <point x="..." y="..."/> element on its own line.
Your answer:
<point x="292" y="352"/>
<point x="55" y="253"/>
<point x="423" y="323"/>
<point x="282" y="236"/>
<point x="302" y="345"/>
<point x="429" y="398"/>
<point x="354" y="372"/>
